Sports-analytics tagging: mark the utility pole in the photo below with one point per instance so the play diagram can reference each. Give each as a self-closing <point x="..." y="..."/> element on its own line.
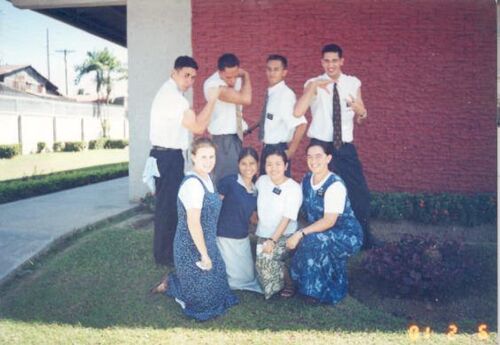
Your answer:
<point x="65" y="52"/>
<point x="48" y="55"/>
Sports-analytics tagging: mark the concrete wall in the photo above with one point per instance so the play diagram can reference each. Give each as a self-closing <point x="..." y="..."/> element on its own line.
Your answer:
<point x="27" y="121"/>
<point x="157" y="32"/>
<point x="427" y="67"/>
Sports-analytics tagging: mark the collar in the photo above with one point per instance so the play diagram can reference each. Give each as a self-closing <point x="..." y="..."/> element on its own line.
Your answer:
<point x="242" y="183"/>
<point x="339" y="80"/>
<point x="217" y="75"/>
<point x="275" y="88"/>
<point x="173" y="84"/>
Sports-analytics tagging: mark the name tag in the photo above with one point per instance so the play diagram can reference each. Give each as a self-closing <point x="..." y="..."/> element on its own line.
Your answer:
<point x="276" y="191"/>
<point x="269" y="116"/>
<point x="321" y="192"/>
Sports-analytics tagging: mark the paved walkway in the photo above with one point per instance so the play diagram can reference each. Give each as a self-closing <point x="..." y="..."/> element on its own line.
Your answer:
<point x="27" y="227"/>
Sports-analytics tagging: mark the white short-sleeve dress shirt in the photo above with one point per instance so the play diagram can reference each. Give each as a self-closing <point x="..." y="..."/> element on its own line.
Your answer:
<point x="223" y="119"/>
<point x="322" y="106"/>
<point x="274" y="203"/>
<point x="167" y="113"/>
<point x="280" y="123"/>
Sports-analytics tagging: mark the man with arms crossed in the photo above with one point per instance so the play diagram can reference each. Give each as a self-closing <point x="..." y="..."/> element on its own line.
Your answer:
<point x="227" y="125"/>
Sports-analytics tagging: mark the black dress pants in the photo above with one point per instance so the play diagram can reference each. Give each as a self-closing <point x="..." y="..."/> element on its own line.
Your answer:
<point x="171" y="167"/>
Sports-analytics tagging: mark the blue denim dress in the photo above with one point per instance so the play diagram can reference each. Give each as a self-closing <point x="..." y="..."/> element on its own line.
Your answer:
<point x="319" y="266"/>
<point x="205" y="294"/>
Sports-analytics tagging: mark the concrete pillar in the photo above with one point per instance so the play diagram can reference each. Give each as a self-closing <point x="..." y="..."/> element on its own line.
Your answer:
<point x="157" y="32"/>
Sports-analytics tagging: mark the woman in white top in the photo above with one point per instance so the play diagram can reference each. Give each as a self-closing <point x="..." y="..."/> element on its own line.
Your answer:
<point x="278" y="202"/>
<point x="319" y="265"/>
<point x="199" y="284"/>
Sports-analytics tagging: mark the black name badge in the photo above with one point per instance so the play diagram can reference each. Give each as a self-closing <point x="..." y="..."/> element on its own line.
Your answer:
<point x="269" y="116"/>
<point x="321" y="192"/>
<point x="276" y="191"/>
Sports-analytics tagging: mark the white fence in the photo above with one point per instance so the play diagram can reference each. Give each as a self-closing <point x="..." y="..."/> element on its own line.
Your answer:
<point x="27" y="121"/>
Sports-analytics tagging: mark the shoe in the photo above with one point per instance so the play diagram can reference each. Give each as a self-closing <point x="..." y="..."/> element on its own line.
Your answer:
<point x="287" y="292"/>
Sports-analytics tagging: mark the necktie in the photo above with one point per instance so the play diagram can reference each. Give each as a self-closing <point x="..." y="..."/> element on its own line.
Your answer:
<point x="262" y="122"/>
<point x="239" y="122"/>
<point x="337" y="124"/>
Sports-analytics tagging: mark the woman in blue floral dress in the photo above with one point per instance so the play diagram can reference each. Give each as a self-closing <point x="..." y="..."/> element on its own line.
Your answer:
<point x="319" y="265"/>
<point x="199" y="283"/>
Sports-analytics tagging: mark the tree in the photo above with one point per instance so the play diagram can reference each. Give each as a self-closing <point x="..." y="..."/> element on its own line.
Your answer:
<point x="107" y="69"/>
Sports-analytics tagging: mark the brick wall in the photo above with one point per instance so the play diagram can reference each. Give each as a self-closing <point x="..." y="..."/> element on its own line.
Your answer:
<point x="428" y="70"/>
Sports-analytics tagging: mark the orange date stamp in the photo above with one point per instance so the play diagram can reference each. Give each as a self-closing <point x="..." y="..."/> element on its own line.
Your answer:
<point x="415" y="332"/>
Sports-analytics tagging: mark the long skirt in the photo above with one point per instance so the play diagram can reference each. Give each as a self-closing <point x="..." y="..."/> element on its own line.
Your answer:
<point x="240" y="267"/>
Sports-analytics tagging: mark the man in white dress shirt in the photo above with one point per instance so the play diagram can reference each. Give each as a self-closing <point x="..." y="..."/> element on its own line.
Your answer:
<point x="172" y="125"/>
<point x="227" y="125"/>
<point x="278" y="127"/>
<point x="335" y="101"/>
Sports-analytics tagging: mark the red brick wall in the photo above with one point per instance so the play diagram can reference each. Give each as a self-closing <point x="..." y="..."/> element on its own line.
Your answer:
<point x="427" y="67"/>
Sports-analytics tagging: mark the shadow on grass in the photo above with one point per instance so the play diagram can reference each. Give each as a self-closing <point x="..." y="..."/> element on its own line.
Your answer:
<point x="102" y="280"/>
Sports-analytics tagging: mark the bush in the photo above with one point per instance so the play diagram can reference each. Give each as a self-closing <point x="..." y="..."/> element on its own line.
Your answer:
<point x="74" y="146"/>
<point x="115" y="144"/>
<point x="57" y="146"/>
<point x="419" y="265"/>
<point x="32" y="186"/>
<point x="443" y="208"/>
<point x="97" y="144"/>
<point x="9" y="151"/>
<point x="40" y="147"/>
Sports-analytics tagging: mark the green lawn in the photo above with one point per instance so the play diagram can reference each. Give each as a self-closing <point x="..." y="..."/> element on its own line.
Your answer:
<point x="94" y="291"/>
<point x="46" y="163"/>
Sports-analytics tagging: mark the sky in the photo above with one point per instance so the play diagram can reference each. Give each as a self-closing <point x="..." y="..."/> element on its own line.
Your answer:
<point x="23" y="36"/>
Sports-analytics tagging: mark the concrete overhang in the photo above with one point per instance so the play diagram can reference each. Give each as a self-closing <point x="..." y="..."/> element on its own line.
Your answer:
<point x="105" y="18"/>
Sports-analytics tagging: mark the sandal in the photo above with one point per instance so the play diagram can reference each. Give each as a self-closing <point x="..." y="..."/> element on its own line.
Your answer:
<point x="287" y="292"/>
<point x="159" y="287"/>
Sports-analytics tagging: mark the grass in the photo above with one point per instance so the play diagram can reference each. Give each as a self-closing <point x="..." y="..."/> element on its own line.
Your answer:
<point x="94" y="291"/>
<point x="13" y="190"/>
<point x="46" y="163"/>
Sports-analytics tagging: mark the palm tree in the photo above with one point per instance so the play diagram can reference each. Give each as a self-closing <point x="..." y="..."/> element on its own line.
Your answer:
<point x="107" y="69"/>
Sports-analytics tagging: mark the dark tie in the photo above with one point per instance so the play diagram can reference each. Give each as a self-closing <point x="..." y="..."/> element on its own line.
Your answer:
<point x="337" y="124"/>
<point x="262" y="122"/>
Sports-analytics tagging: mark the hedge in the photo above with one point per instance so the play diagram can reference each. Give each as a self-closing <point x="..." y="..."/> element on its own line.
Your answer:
<point x="442" y="208"/>
<point x="9" y="151"/>
<point x="27" y="187"/>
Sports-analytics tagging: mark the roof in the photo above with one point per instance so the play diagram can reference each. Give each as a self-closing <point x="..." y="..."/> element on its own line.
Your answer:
<point x="8" y="69"/>
<point x="11" y="69"/>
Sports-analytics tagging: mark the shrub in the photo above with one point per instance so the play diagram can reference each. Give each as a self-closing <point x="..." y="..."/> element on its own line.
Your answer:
<point x="57" y="146"/>
<point x="40" y="147"/>
<point x="115" y="144"/>
<point x="9" y="151"/>
<point x="74" y="146"/>
<point x="419" y="265"/>
<point x="148" y="203"/>
<point x="443" y="208"/>
<point x="32" y="186"/>
<point x="97" y="144"/>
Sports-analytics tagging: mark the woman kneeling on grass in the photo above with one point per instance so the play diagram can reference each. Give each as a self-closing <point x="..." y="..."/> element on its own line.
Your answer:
<point x="319" y="266"/>
<point x="278" y="203"/>
<point x="239" y="203"/>
<point x="199" y="284"/>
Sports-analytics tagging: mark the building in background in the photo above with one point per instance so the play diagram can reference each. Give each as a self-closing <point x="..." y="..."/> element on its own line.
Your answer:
<point x="428" y="70"/>
<point x="26" y="79"/>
